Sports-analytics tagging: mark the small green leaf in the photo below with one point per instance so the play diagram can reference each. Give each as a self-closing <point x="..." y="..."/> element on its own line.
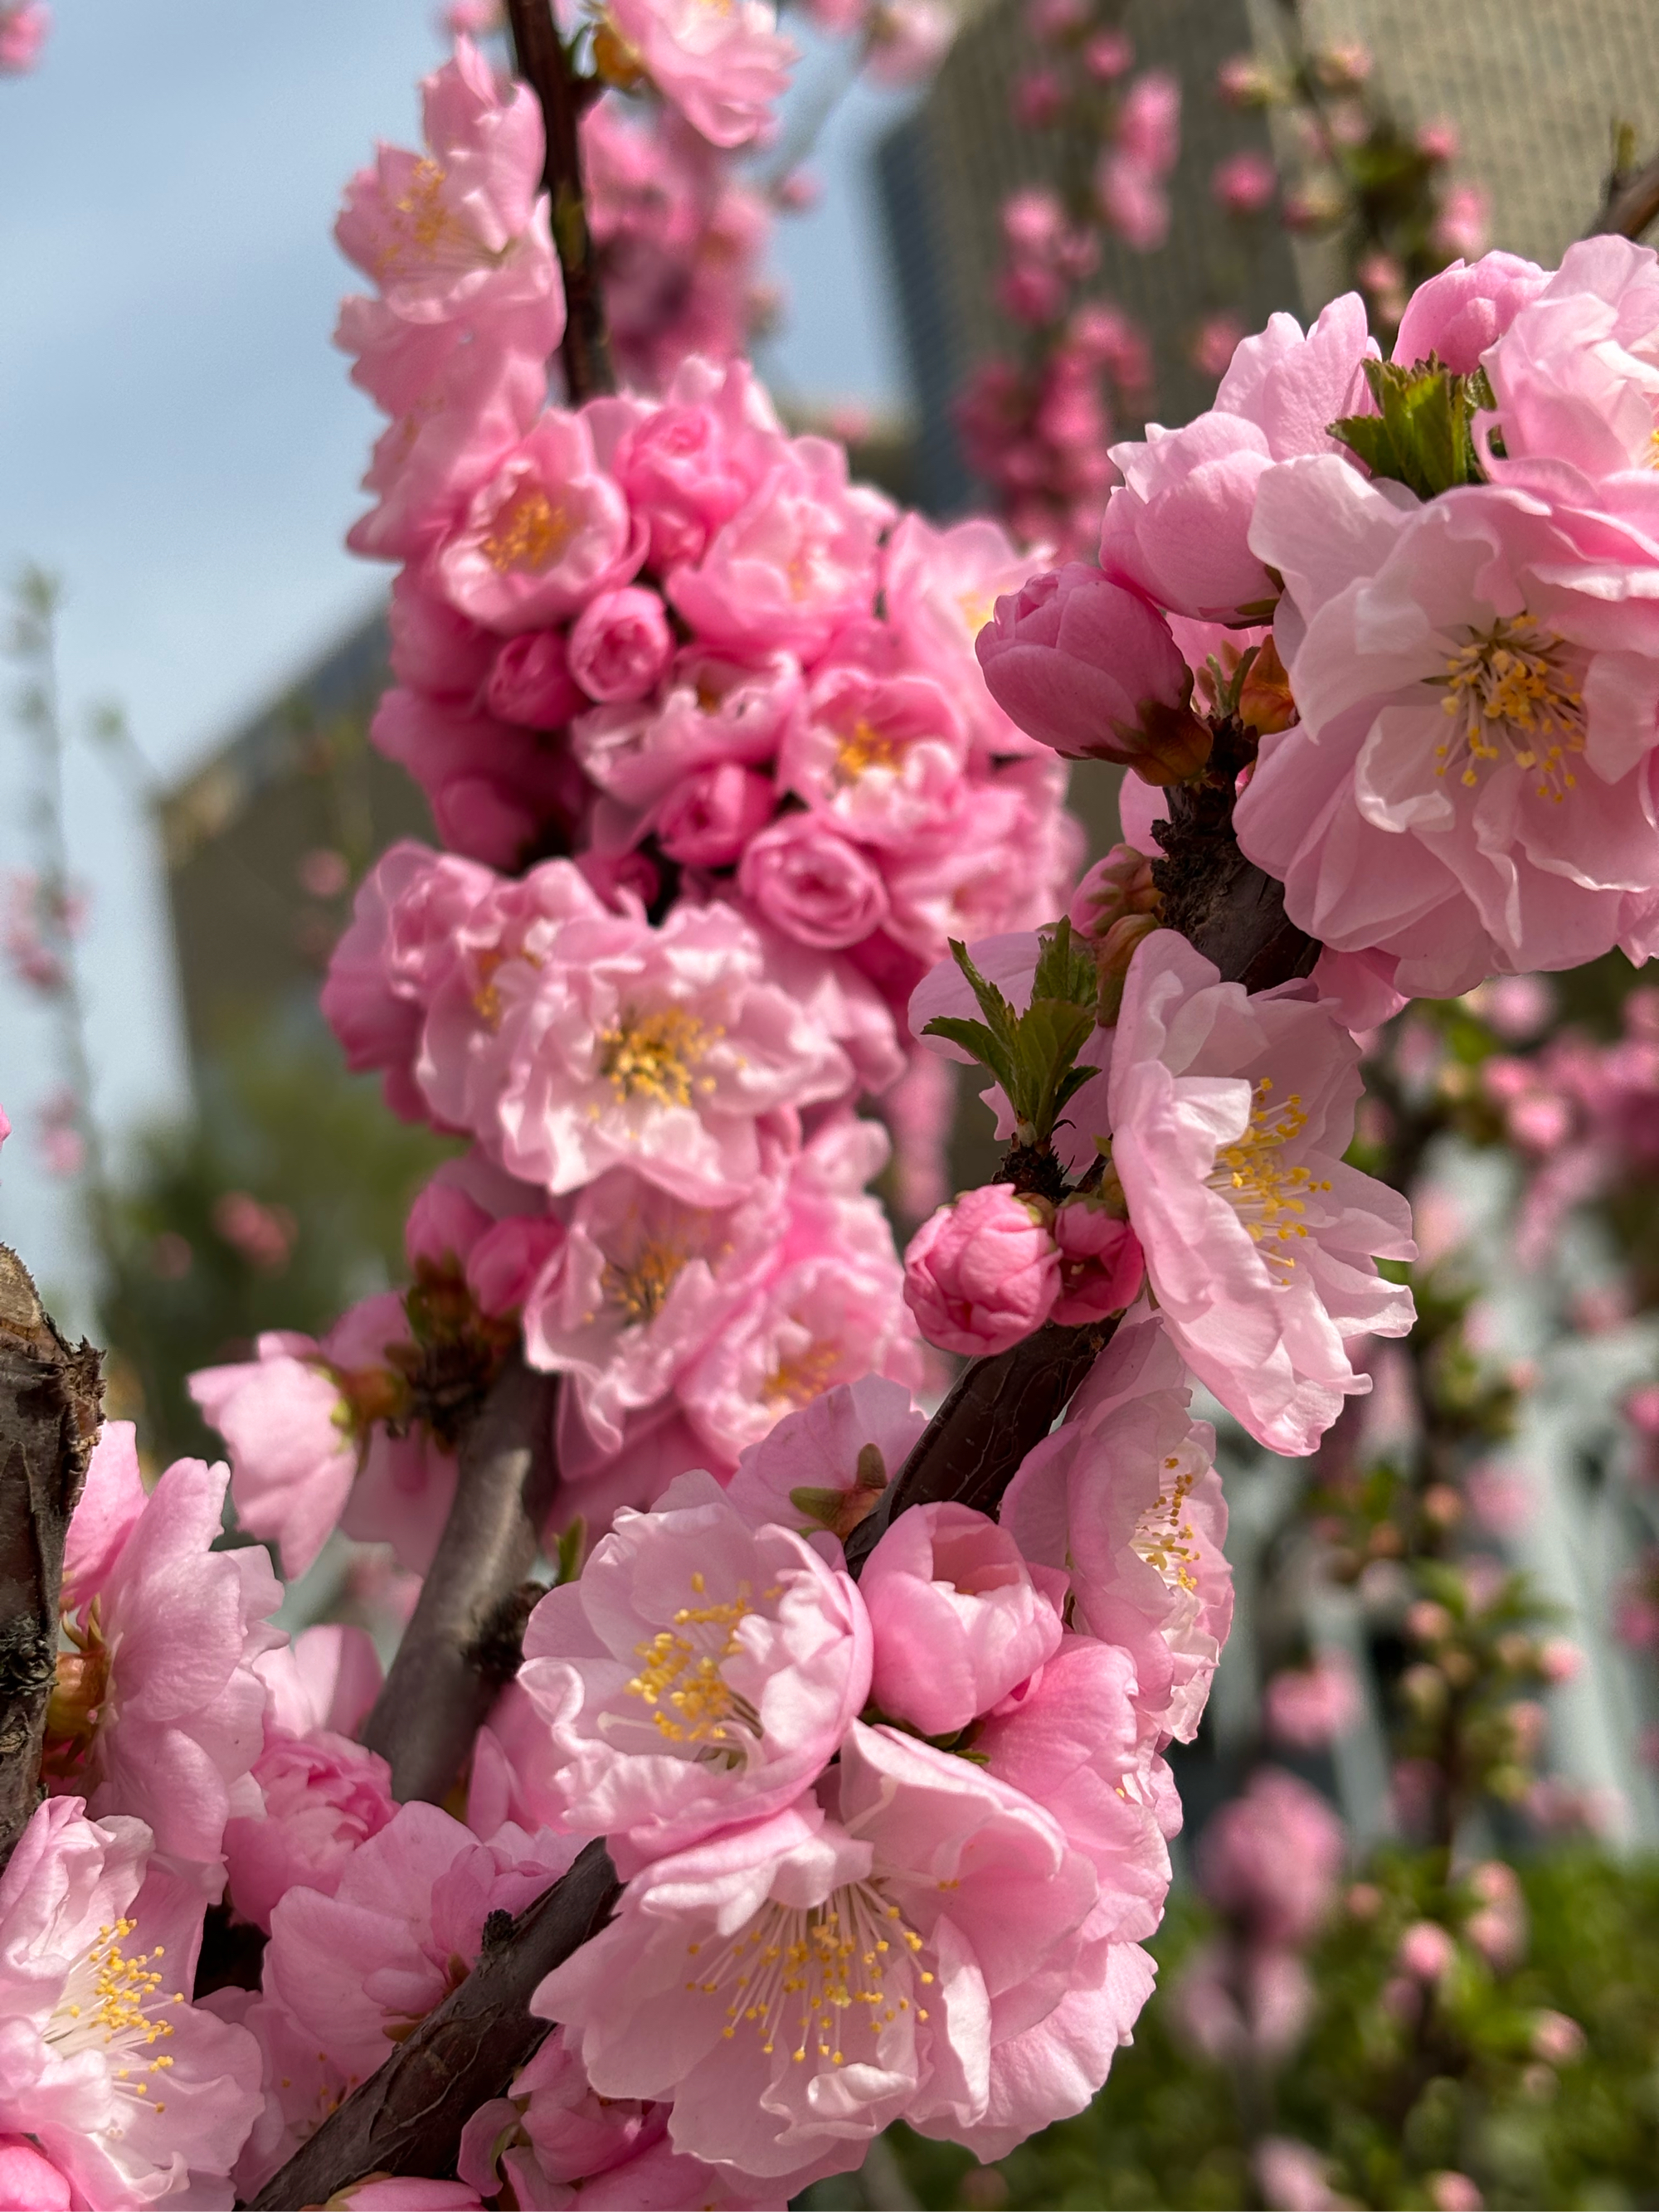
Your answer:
<point x="568" y="1560"/>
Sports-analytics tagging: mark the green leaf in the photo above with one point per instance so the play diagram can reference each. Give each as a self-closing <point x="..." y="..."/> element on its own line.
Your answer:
<point x="1420" y="438"/>
<point x="1368" y="435"/>
<point x="976" y="1039"/>
<point x="1065" y="970"/>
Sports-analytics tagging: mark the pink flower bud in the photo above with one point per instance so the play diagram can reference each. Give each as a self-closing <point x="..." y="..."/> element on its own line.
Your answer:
<point x="531" y="682"/>
<point x="28" y="2179"/>
<point x="1558" y="2040"/>
<point x="1119" y="885"/>
<point x="707" y="821"/>
<point x="959" y="1617"/>
<point x="983" y="1273"/>
<point x="1454" y="2192"/>
<point x="621" y="644"/>
<point x="1426" y="1951"/>
<point x="510" y="1258"/>
<point x="1559" y="1660"/>
<point x="1107" y="56"/>
<point x="1101" y="1266"/>
<point x="1244" y="183"/>
<point x="1090" y="668"/>
<point x="812" y="883"/>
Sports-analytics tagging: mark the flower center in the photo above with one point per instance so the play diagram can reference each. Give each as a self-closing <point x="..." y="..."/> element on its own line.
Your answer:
<point x="531" y="532"/>
<point x="652" y="1055"/>
<point x="864" y="747"/>
<point x="421" y="224"/>
<point x="639" y="1290"/>
<point x="110" y="2003"/>
<point x="1164" y="1535"/>
<point x="798" y="1379"/>
<point x="794" y="1972"/>
<point x="1267" y="1196"/>
<point x="1514" y="686"/>
<point x="691" y="1703"/>
<point x="77" y="1698"/>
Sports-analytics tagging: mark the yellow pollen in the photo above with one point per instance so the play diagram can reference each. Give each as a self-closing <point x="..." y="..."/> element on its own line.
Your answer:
<point x="1512" y="693"/>
<point x="864" y="747"/>
<point x="808" y="1375"/>
<point x="680" y="1678"/>
<point x="423" y="229"/>
<point x="1267" y="1196"/>
<point x="639" y="1290"/>
<point x="531" y="532"/>
<point x="1163" y="1536"/>
<point x="113" y="1999"/>
<point x="653" y="1056"/>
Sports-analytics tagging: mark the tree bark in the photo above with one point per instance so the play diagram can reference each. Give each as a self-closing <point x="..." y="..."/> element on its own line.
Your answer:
<point x="51" y="1407"/>
<point x="465" y="1635"/>
<point x="407" y="2118"/>
<point x="1630" y="204"/>
<point x="544" y="65"/>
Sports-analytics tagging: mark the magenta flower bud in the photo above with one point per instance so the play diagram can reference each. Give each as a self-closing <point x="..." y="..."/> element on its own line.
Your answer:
<point x="982" y="1272"/>
<point x="1090" y="668"/>
<point x="959" y="1617"/>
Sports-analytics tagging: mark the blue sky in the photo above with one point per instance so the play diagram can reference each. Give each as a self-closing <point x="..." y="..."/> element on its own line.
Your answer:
<point x="178" y="439"/>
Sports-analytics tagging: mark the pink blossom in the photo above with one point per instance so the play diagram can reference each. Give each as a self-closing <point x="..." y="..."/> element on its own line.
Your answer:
<point x="1239" y="2002"/>
<point x="1178" y="527"/>
<point x="792" y="565"/>
<point x="353" y="1970"/>
<point x="981" y="1902"/>
<point x="24" y="27"/>
<point x="512" y="1259"/>
<point x="29" y="2181"/>
<point x="288" y="1431"/>
<point x="710" y="819"/>
<point x="324" y="1796"/>
<point x="1125" y="1498"/>
<point x="1457" y="315"/>
<point x="1230" y="1116"/>
<point x="402" y="1496"/>
<point x="983" y="1272"/>
<point x="529" y="681"/>
<point x="1092" y="669"/>
<point x="882" y="757"/>
<point x="1308" y="1708"/>
<point x="1101" y="1264"/>
<point x="1469" y="841"/>
<point x="688" y="466"/>
<point x="1270" y="1859"/>
<point x="99" y="1944"/>
<point x="621" y="644"/>
<point x="1427" y="1952"/>
<point x="756" y="1656"/>
<point x="1450" y="2191"/>
<point x="722" y="67"/>
<point x="825" y="1449"/>
<point x="715" y="710"/>
<point x="113" y="1496"/>
<point x="551" y="2110"/>
<point x="1294" y="2177"/>
<point x="159" y="1710"/>
<point x="959" y="1618"/>
<point x="1245" y="183"/>
<point x="940" y="588"/>
<point x="809" y="881"/>
<point x="548" y="533"/>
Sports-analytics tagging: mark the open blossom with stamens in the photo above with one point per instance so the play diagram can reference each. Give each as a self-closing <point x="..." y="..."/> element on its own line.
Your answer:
<point x="721" y="63"/>
<point x="700" y="1673"/>
<point x="1230" y="1116"/>
<point x="799" y="1984"/>
<point x="1471" y="784"/>
<point x="133" y="2093"/>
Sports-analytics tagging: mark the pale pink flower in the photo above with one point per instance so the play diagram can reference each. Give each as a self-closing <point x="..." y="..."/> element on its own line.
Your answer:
<point x="133" y="2093"/>
<point x="1230" y="1116"/>
<point x="1125" y="1498"/>
<point x="793" y="564"/>
<point x="1270" y="1860"/>
<point x="699" y="1673"/>
<point x="824" y="1448"/>
<point x="715" y="712"/>
<point x="287" y="1428"/>
<point x="112" y="1498"/>
<point x="323" y="1797"/>
<point x="709" y="820"/>
<point x="460" y="233"/>
<point x="1177" y="528"/>
<point x="1308" y="1708"/>
<point x="1457" y="315"/>
<point x="548" y="533"/>
<point x="723" y="67"/>
<point x="970" y="1887"/>
<point x="688" y="465"/>
<point x="356" y="1970"/>
<point x="1102" y="1267"/>
<point x="1245" y="183"/>
<point x="402" y="1496"/>
<point x="983" y="1272"/>
<point x="551" y="2111"/>
<point x="24" y="27"/>
<point x="810" y="882"/>
<point x="1009" y="862"/>
<point x="159" y="1710"/>
<point x="441" y="446"/>
<point x="1475" y="834"/>
<point x="1294" y="2177"/>
<point x="1451" y="2191"/>
<point x="1427" y="1952"/>
<point x="881" y="756"/>
<point x="529" y="681"/>
<point x="958" y="1616"/>
<point x="909" y="40"/>
<point x="940" y="588"/>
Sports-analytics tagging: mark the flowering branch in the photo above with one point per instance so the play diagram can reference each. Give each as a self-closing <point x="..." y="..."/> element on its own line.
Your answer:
<point x="543" y="63"/>
<point x="50" y="1405"/>
<point x="408" y="2117"/>
<point x="1632" y="198"/>
<point x="463" y="1639"/>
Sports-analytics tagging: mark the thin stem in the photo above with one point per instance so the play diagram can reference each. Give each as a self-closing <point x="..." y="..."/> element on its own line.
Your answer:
<point x="1630" y="204"/>
<point x="544" y="62"/>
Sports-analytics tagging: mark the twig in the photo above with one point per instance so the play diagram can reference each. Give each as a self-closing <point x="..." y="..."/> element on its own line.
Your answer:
<point x="1630" y="202"/>
<point x="407" y="2118"/>
<point x="464" y="1638"/>
<point x="50" y="1405"/>
<point x="543" y="63"/>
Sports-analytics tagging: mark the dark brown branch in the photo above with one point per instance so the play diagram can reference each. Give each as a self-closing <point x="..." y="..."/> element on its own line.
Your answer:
<point x="408" y="2117"/>
<point x="1630" y="204"/>
<point x="50" y="1405"/>
<point x="463" y="1641"/>
<point x="545" y="65"/>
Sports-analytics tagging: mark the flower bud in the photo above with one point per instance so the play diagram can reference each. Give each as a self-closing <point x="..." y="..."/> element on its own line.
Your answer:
<point x="984" y="1272"/>
<point x="1556" y="2040"/>
<point x="1101" y="1265"/>
<point x="1426" y="1951"/>
<point x="1120" y="884"/>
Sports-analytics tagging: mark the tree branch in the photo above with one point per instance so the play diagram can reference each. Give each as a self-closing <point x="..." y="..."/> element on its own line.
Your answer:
<point x="464" y="1638"/>
<point x="51" y="1407"/>
<point x="543" y="63"/>
<point x="408" y="2118"/>
<point x="1630" y="202"/>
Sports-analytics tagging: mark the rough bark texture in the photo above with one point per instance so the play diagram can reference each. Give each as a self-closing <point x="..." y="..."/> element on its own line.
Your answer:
<point x="50" y="1405"/>
<point x="463" y="1639"/>
<point x="544" y="66"/>
<point x="1631" y="203"/>
<point x="408" y="2117"/>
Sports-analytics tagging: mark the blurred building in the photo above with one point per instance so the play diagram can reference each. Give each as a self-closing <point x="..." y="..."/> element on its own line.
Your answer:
<point x="1532" y="87"/>
<point x="263" y="844"/>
